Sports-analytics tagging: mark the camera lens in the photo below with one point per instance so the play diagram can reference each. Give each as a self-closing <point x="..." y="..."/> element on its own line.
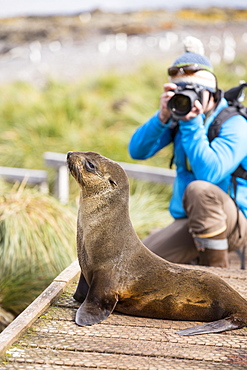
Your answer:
<point x="183" y="100"/>
<point x="181" y="104"/>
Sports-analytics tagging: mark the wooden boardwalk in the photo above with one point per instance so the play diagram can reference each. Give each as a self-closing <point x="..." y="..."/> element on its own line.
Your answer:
<point x="53" y="341"/>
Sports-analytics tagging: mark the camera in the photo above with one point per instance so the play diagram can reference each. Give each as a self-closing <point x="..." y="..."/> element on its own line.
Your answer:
<point x="183" y="100"/>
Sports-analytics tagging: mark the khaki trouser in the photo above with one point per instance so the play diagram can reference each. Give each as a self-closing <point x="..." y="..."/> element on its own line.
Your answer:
<point x="210" y="211"/>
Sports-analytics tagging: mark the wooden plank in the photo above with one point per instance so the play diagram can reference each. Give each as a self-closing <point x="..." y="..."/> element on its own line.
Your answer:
<point x="15" y="329"/>
<point x="127" y="342"/>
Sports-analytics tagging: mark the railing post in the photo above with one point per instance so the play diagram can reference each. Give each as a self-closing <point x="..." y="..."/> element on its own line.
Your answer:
<point x="62" y="184"/>
<point x="58" y="162"/>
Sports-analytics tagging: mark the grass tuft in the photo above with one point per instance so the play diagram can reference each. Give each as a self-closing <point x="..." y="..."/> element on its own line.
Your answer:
<point x="37" y="241"/>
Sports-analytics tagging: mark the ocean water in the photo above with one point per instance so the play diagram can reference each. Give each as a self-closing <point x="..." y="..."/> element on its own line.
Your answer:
<point x="12" y="8"/>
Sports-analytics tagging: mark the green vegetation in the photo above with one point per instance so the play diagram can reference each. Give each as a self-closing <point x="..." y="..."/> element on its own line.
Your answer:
<point x="37" y="241"/>
<point x="99" y="113"/>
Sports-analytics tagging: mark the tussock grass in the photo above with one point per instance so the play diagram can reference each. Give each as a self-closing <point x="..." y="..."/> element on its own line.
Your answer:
<point x="36" y="228"/>
<point x="37" y="241"/>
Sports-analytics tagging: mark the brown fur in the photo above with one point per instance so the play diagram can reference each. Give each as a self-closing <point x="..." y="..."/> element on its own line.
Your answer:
<point x="123" y="274"/>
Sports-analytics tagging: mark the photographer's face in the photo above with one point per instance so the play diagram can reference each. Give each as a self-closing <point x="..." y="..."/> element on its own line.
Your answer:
<point x="208" y="102"/>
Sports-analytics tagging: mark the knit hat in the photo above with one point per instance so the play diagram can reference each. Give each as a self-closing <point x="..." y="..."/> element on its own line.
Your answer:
<point x="194" y="55"/>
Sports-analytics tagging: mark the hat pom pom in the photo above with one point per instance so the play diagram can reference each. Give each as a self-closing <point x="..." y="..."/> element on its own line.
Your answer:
<point x="193" y="45"/>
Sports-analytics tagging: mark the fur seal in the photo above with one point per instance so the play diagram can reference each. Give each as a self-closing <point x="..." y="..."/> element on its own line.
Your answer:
<point x="119" y="272"/>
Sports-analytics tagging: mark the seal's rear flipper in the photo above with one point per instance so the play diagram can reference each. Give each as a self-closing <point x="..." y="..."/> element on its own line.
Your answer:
<point x="212" y="327"/>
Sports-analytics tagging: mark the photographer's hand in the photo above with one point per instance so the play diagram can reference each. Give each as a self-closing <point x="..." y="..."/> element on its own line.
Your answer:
<point x="195" y="111"/>
<point x="208" y="103"/>
<point x="165" y="113"/>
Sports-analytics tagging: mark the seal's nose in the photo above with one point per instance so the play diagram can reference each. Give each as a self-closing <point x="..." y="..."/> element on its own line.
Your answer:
<point x="68" y="155"/>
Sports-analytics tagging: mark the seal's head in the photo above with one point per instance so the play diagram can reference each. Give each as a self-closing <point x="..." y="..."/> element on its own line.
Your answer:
<point x="96" y="174"/>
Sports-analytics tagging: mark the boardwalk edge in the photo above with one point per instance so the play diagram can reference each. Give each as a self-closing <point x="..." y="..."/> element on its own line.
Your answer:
<point x="22" y="322"/>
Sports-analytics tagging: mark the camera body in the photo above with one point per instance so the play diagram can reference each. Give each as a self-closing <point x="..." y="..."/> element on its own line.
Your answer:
<point x="183" y="100"/>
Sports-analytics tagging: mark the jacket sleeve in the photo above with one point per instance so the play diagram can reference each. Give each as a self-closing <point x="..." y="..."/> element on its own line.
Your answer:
<point x="150" y="138"/>
<point x="213" y="162"/>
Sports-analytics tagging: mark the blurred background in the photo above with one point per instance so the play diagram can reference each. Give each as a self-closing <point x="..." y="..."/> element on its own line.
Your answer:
<point x="67" y="40"/>
<point x="83" y="76"/>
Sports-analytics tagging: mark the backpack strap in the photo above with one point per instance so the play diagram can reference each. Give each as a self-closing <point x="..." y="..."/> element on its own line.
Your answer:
<point x="224" y="114"/>
<point x="234" y="108"/>
<point x="234" y="96"/>
<point x="240" y="172"/>
<point x="174" y="129"/>
<point x="237" y="226"/>
<point x="214" y="129"/>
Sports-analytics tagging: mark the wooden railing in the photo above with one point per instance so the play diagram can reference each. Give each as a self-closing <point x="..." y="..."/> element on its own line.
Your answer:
<point x="137" y="171"/>
<point x="34" y="177"/>
<point x="57" y="161"/>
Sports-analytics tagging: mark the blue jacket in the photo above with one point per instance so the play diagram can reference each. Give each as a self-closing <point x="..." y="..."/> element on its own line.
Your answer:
<point x="209" y="162"/>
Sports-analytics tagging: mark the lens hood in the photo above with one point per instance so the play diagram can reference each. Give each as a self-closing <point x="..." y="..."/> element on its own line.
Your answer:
<point x="183" y="100"/>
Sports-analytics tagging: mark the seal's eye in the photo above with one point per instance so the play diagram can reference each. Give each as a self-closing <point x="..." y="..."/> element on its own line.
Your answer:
<point x="90" y="166"/>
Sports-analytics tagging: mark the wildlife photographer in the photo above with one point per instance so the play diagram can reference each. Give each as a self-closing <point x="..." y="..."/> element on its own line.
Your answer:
<point x="209" y="206"/>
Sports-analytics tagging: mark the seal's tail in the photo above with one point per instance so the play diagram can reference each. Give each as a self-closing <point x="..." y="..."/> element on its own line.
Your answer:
<point x="213" y="327"/>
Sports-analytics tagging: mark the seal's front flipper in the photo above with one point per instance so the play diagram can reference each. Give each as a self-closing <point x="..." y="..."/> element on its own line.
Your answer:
<point x="212" y="327"/>
<point x="81" y="290"/>
<point x="90" y="313"/>
<point x="98" y="305"/>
